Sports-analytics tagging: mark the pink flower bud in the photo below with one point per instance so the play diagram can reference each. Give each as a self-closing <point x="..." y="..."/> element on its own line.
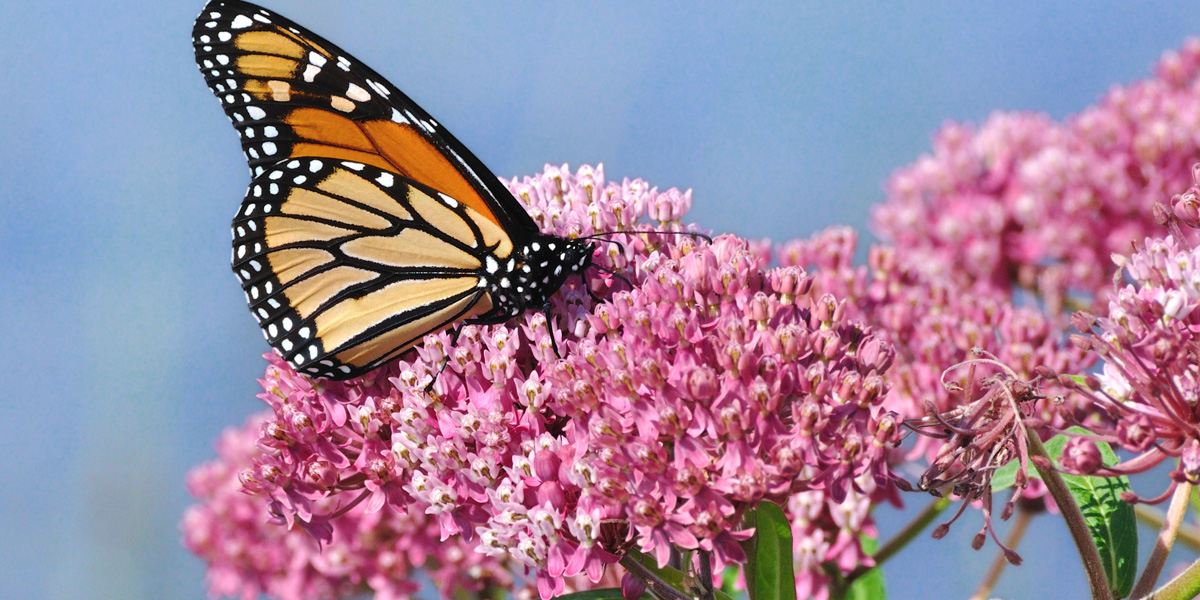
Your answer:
<point x="546" y="464"/>
<point x="1081" y="456"/>
<point x="632" y="587"/>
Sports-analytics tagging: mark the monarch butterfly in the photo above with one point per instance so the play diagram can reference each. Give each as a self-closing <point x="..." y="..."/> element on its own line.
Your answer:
<point x="366" y="225"/>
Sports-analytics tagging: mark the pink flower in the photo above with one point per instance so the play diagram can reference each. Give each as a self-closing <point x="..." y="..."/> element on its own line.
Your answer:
<point x="1146" y="396"/>
<point x="247" y="555"/>
<point x="706" y="383"/>
<point x="1025" y="203"/>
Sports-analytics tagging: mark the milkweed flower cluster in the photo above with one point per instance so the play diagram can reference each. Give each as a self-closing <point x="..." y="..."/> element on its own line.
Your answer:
<point x="249" y="555"/>
<point x="935" y="325"/>
<point x="704" y="384"/>
<point x="1147" y="393"/>
<point x="1026" y="202"/>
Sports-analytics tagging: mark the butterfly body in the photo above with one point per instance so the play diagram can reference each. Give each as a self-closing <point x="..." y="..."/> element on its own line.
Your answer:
<point x="366" y="224"/>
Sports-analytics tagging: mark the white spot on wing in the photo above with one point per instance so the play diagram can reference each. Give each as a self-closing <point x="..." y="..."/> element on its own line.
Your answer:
<point x="241" y="22"/>
<point x="386" y="179"/>
<point x="255" y="112"/>
<point x="355" y="92"/>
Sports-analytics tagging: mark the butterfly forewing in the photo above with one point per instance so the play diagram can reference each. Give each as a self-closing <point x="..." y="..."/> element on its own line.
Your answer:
<point x="290" y="93"/>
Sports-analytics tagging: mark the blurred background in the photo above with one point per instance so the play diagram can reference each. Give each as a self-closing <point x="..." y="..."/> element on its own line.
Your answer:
<point x="126" y="343"/>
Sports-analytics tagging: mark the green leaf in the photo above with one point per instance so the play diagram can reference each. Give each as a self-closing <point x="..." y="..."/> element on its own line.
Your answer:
<point x="1110" y="519"/>
<point x="769" y="566"/>
<point x="869" y="586"/>
<point x="1006" y="476"/>
<point x="729" y="580"/>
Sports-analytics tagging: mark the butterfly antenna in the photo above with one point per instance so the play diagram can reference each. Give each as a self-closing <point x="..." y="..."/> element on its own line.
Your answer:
<point x="596" y="236"/>
<point x="600" y="236"/>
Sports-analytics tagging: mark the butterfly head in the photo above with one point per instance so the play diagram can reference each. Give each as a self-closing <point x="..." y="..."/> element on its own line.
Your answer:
<point x="536" y="271"/>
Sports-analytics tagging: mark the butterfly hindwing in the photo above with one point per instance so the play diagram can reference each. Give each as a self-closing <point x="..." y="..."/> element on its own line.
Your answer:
<point x="292" y="94"/>
<point x="346" y="265"/>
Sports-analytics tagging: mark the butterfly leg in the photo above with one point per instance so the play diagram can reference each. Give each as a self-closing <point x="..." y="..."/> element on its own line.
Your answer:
<point x="454" y="333"/>
<point x="614" y="273"/>
<point x="550" y="326"/>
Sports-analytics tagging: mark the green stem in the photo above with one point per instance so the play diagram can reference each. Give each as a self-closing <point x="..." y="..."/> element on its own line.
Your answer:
<point x="902" y="538"/>
<point x="1076" y="525"/>
<point x="1183" y="587"/>
<point x="1164" y="541"/>
<point x="706" y="574"/>
<point x="660" y="588"/>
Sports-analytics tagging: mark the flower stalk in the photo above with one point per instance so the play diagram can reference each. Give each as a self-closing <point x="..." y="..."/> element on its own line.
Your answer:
<point x="1092" y="565"/>
<point x="1164" y="542"/>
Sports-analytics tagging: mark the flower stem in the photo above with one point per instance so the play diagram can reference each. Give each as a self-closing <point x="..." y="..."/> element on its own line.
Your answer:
<point x="706" y="574"/>
<point x="660" y="588"/>
<point x="902" y="538"/>
<point x="1076" y="525"/>
<point x="1024" y="517"/>
<point x="1186" y="585"/>
<point x="1166" y="539"/>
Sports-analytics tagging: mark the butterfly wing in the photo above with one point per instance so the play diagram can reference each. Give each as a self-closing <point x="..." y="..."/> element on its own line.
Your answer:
<point x="366" y="225"/>
<point x="347" y="265"/>
<point x="292" y="94"/>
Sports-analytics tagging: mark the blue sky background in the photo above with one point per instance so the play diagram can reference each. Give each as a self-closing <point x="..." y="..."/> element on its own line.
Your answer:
<point x="126" y="339"/>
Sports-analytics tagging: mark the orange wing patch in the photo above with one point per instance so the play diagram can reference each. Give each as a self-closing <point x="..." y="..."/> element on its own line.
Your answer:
<point x="385" y="144"/>
<point x="417" y="159"/>
<point x="270" y="42"/>
<point x="265" y="65"/>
